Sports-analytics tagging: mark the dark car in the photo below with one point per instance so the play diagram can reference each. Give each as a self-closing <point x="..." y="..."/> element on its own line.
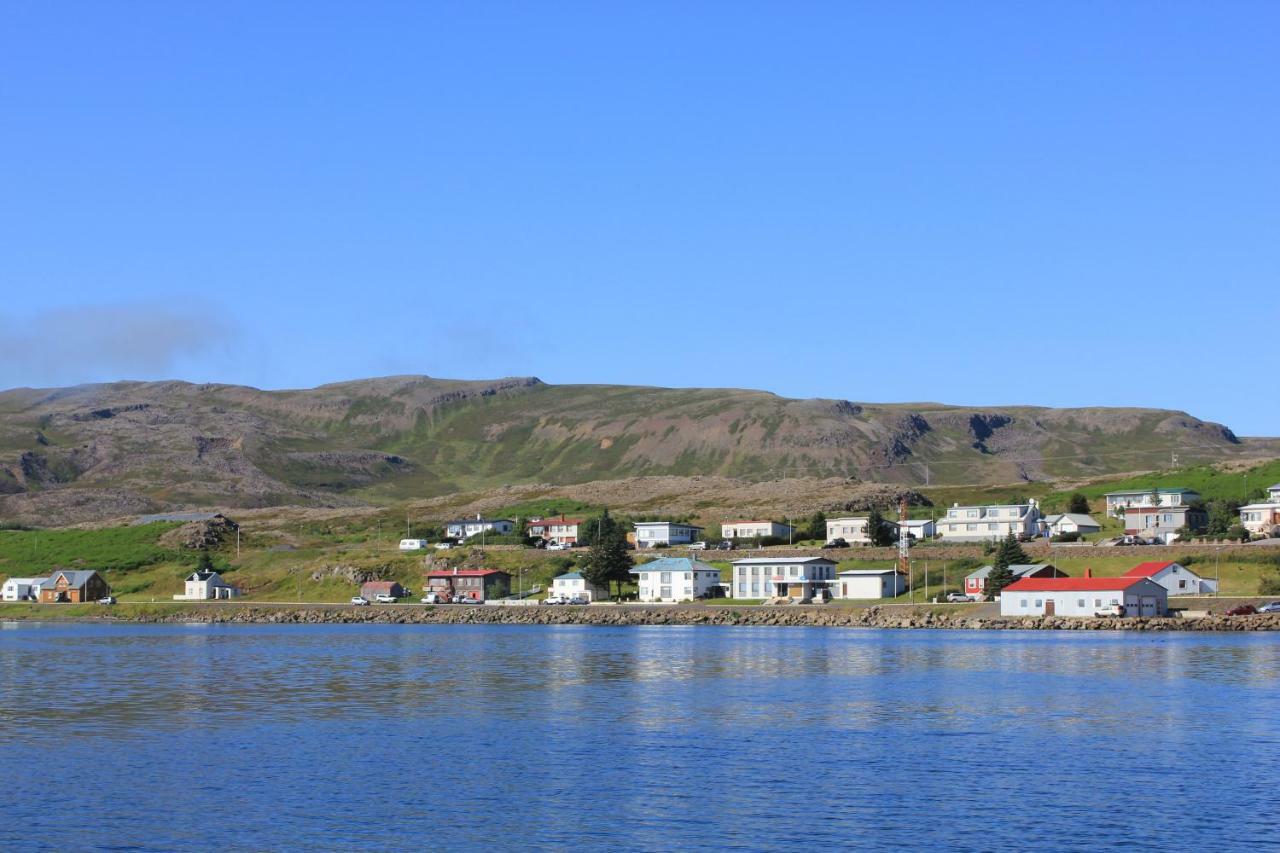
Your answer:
<point x="836" y="543"/>
<point x="1242" y="610"/>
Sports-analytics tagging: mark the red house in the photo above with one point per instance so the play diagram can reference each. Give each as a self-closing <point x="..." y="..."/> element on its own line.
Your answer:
<point x="475" y="584"/>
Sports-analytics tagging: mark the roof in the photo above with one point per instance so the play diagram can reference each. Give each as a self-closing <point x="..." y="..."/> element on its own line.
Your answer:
<point x="545" y="521"/>
<point x="1020" y="570"/>
<point x="202" y="576"/>
<point x="480" y="521"/>
<point x="1075" y="517"/>
<point x="674" y="564"/>
<point x="465" y="573"/>
<point x="893" y="571"/>
<point x="675" y="523"/>
<point x="1147" y="570"/>
<point x="755" y="521"/>
<point x="1162" y="508"/>
<point x="766" y="561"/>
<point x="1071" y="584"/>
<point x="916" y="522"/>
<point x="76" y="577"/>
<point x="1178" y="491"/>
<point x="1261" y="506"/>
<point x="388" y="585"/>
<point x="570" y="576"/>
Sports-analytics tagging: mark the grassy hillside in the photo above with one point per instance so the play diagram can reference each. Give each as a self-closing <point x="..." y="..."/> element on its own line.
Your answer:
<point x="112" y="450"/>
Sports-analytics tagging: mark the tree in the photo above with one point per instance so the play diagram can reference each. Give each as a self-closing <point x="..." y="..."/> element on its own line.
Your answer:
<point x="817" y="526"/>
<point x="205" y="562"/>
<point x="609" y="559"/>
<point x="1223" y="515"/>
<point x="878" y="532"/>
<point x="1155" y="496"/>
<point x="1009" y="553"/>
<point x="1078" y="503"/>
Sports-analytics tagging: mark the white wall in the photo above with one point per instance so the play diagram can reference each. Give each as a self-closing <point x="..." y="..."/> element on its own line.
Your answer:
<point x="683" y="586"/>
<point x="1067" y="603"/>
<point x="869" y="586"/>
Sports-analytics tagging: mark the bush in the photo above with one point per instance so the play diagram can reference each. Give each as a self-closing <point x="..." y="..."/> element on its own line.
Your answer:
<point x="1069" y="536"/>
<point x="1269" y="585"/>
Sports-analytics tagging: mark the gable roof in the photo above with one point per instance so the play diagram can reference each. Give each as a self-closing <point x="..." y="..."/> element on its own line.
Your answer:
<point x="479" y="521"/>
<point x="674" y="564"/>
<point x="1147" y="570"/>
<point x="1178" y="491"/>
<point x="781" y="561"/>
<point x="1076" y="517"/>
<point x="893" y="571"/>
<point x="671" y="523"/>
<point x="202" y="576"/>
<point x="570" y="576"/>
<point x="75" y="577"/>
<point x="1071" y="584"/>
<point x="465" y="573"/>
<point x="387" y="585"/>
<point x="1020" y="570"/>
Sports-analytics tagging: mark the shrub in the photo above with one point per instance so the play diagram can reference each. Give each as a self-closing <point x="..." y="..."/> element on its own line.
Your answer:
<point x="1069" y="536"/>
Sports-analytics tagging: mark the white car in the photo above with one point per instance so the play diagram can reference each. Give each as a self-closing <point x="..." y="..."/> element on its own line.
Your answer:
<point x="443" y="546"/>
<point x="697" y="546"/>
<point x="557" y="546"/>
<point x="434" y="598"/>
<point x="384" y="598"/>
<point x="555" y="599"/>
<point x="110" y="599"/>
<point x="359" y="600"/>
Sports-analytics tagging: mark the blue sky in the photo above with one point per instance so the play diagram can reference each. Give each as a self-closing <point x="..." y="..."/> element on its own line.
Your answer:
<point x="983" y="203"/>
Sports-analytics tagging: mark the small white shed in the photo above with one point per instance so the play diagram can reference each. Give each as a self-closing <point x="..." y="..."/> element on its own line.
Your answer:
<point x="869" y="584"/>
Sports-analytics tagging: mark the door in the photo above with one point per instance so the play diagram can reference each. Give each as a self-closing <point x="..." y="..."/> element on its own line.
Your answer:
<point x="1148" y="605"/>
<point x="1048" y="607"/>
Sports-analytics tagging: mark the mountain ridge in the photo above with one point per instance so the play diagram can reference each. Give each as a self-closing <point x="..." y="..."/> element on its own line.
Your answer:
<point x="115" y="448"/>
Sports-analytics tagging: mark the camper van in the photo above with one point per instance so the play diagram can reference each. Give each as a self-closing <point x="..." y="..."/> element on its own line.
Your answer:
<point x="412" y="544"/>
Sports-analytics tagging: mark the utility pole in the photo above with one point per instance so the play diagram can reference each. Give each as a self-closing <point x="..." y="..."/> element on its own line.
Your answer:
<point x="904" y="544"/>
<point x="237" y="542"/>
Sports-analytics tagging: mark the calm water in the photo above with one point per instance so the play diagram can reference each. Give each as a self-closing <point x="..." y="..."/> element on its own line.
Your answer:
<point x="396" y="737"/>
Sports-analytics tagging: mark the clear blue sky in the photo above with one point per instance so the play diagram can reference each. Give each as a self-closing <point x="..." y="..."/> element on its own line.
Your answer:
<point x="977" y="203"/>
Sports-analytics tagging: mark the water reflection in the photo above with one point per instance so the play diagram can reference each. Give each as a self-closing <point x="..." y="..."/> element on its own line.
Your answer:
<point x="630" y="737"/>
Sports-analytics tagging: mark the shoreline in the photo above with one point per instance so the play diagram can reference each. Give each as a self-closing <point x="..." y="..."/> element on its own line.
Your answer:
<point x="632" y="616"/>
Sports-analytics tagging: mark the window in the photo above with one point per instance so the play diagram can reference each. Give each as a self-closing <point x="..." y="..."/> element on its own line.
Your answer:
<point x="973" y="513"/>
<point x="795" y="571"/>
<point x="1182" y="583"/>
<point x="1039" y="603"/>
<point x="665" y="593"/>
<point x="1097" y="602"/>
<point x="971" y="527"/>
<point x="1079" y="602"/>
<point x="742" y="589"/>
<point x="666" y="577"/>
<point x="688" y="576"/>
<point x="768" y="587"/>
<point x="1024" y="602"/>
<point x="755" y="588"/>
<point x="993" y="527"/>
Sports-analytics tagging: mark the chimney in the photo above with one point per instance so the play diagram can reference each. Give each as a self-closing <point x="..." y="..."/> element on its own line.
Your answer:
<point x="1088" y="573"/>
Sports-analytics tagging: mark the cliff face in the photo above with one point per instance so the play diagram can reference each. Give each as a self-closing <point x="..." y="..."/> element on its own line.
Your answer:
<point x="99" y="450"/>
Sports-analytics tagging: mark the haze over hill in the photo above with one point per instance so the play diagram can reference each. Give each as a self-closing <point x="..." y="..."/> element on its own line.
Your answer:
<point x="100" y="450"/>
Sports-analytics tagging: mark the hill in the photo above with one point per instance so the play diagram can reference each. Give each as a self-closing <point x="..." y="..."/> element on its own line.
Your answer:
<point x="94" y="451"/>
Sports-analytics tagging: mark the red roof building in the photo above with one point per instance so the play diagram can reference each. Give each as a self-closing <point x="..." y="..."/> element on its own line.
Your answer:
<point x="1175" y="577"/>
<point x="1086" y="596"/>
<point x="475" y="584"/>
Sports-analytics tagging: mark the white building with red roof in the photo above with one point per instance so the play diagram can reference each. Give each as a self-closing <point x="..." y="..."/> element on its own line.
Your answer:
<point x="1174" y="577"/>
<point x="1086" y="596"/>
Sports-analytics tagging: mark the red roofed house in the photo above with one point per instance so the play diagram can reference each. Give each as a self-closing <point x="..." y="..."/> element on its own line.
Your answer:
<point x="475" y="584"/>
<point x="562" y="530"/>
<point x="1086" y="596"/>
<point x="1176" y="578"/>
<point x="372" y="589"/>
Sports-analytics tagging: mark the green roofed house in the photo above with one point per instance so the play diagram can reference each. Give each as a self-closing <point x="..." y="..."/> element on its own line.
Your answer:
<point x="1118" y="502"/>
<point x="676" y="579"/>
<point x="574" y="585"/>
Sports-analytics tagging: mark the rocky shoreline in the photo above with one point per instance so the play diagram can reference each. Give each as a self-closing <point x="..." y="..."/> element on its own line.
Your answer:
<point x="822" y="617"/>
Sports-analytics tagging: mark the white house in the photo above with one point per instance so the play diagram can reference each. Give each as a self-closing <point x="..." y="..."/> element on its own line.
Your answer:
<point x="853" y="529"/>
<point x="650" y="533"/>
<point x="465" y="528"/>
<point x="562" y="530"/>
<point x="1261" y="519"/>
<point x="919" y="528"/>
<point x="869" y="583"/>
<point x="1087" y="596"/>
<point x="1274" y="493"/>
<point x="1163" y="523"/>
<point x="205" y="585"/>
<point x="755" y="529"/>
<point x="21" y="589"/>
<point x="1118" y="502"/>
<point x="1174" y="577"/>
<point x="412" y="544"/>
<point x="784" y="577"/>
<point x="574" y="585"/>
<point x="983" y="523"/>
<point x="676" y="579"/>
<point x="1070" y="522"/>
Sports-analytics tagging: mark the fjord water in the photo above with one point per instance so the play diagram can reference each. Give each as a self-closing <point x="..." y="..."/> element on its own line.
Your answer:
<point x="405" y="737"/>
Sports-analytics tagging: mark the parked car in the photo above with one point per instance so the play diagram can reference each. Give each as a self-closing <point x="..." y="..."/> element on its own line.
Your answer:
<point x="1113" y="610"/>
<point x="1242" y="610"/>
<point x="558" y="546"/>
<point x="433" y="598"/>
<point x="110" y="599"/>
<point x="555" y="599"/>
<point x="697" y="546"/>
<point x="384" y="598"/>
<point x="444" y="545"/>
<point x="725" y="545"/>
<point x="462" y="599"/>
<point x="1273" y="607"/>
<point x="957" y="596"/>
<point x="359" y="600"/>
<point x="836" y="543"/>
<point x="579" y="599"/>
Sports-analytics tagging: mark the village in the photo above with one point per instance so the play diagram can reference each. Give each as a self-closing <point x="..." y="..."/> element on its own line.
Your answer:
<point x="669" y="566"/>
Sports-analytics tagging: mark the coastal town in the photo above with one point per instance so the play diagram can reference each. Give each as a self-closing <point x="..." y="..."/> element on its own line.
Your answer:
<point x="773" y="563"/>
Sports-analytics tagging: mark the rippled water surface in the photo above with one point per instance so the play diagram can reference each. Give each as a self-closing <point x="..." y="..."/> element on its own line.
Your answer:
<point x="404" y="737"/>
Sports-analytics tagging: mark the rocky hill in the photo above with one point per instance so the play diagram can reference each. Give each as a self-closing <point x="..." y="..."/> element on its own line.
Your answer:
<point x="113" y="449"/>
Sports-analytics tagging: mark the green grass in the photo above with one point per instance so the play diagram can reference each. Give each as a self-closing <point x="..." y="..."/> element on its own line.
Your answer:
<point x="1209" y="481"/>
<point x="35" y="552"/>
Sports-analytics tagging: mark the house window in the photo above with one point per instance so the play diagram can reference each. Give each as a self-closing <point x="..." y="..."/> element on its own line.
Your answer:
<point x="1097" y="602"/>
<point x="755" y="587"/>
<point x="1024" y="602"/>
<point x="1039" y="603"/>
<point x="666" y="577"/>
<point x="971" y="527"/>
<point x="688" y="576"/>
<point x="1182" y="583"/>
<point x="993" y="526"/>
<point x="1079" y="602"/>
<point x="973" y="513"/>
<point x="742" y="589"/>
<point x="665" y="593"/>
<point x="795" y="571"/>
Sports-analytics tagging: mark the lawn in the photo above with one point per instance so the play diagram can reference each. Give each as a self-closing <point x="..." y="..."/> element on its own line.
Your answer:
<point x="35" y="552"/>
